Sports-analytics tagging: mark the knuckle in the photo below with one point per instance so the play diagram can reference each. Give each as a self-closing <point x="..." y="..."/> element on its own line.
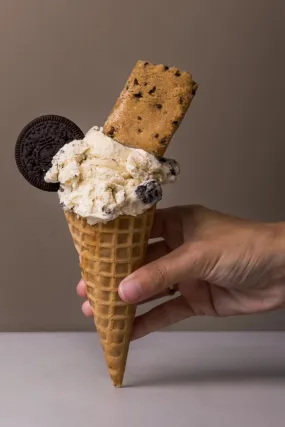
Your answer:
<point x="158" y="277"/>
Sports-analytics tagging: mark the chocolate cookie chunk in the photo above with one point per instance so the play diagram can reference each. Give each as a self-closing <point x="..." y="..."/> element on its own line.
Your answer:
<point x="151" y="107"/>
<point x="149" y="192"/>
<point x="38" y="142"/>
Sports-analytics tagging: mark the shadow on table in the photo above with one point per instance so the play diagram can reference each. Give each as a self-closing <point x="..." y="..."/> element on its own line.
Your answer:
<point x="182" y="377"/>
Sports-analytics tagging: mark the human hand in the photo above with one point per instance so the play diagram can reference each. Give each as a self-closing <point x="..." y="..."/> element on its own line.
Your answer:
<point x="221" y="266"/>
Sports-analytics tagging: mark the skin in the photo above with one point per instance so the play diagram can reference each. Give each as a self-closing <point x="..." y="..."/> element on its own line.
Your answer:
<point x="221" y="265"/>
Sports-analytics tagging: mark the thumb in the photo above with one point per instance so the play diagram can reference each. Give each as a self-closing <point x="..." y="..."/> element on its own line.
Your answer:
<point x="155" y="277"/>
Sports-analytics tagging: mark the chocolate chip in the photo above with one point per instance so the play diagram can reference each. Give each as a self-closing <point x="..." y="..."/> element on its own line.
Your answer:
<point x="138" y="95"/>
<point x="163" y="140"/>
<point x="136" y="82"/>
<point x="194" y="88"/>
<point x="151" y="91"/>
<point x="181" y="100"/>
<point x="166" y="68"/>
<point x="139" y="130"/>
<point x="159" y="106"/>
<point x="145" y="84"/>
<point x="162" y="160"/>
<point x="146" y="63"/>
<point x="111" y="131"/>
<point x="156" y="135"/>
<point x="175" y="122"/>
<point x="139" y="118"/>
<point x="127" y="87"/>
<point x="177" y="74"/>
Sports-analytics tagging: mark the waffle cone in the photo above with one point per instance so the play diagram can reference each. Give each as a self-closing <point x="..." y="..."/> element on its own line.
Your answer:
<point x="108" y="253"/>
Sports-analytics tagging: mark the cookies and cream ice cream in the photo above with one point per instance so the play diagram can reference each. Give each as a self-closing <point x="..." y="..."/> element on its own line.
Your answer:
<point x="101" y="179"/>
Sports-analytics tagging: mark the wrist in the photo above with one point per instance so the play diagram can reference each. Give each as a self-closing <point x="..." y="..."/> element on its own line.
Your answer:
<point x="276" y="248"/>
<point x="277" y="233"/>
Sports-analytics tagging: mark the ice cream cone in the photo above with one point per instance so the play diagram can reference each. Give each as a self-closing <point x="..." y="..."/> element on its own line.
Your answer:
<point x="108" y="253"/>
<point x="102" y="173"/>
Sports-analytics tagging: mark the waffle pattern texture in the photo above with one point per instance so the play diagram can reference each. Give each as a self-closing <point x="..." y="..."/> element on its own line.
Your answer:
<point x="108" y="253"/>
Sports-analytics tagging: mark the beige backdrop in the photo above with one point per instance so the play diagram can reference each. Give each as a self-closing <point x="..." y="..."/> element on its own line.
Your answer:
<point x="72" y="57"/>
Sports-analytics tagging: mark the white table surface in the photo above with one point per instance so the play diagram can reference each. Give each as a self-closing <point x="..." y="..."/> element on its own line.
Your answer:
<point x="172" y="379"/>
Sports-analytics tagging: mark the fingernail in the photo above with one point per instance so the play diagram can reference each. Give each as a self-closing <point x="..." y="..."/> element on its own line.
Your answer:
<point x="130" y="291"/>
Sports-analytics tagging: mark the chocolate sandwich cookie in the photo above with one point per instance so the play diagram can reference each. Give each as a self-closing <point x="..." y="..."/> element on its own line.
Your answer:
<point x="37" y="144"/>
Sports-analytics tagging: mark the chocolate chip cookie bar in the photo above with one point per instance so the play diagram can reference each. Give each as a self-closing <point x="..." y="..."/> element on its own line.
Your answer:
<point x="151" y="107"/>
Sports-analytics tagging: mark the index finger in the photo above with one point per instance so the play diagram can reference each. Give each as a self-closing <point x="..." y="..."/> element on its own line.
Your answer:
<point x="163" y="220"/>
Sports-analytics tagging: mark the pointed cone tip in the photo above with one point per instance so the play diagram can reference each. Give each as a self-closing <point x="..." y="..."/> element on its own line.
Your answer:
<point x="116" y="385"/>
<point x="117" y="381"/>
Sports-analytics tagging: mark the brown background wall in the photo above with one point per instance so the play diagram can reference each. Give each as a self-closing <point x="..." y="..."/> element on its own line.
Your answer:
<point x="72" y="58"/>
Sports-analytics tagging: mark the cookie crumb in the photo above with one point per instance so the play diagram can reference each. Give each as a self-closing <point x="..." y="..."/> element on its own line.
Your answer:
<point x="149" y="192"/>
<point x="106" y="210"/>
